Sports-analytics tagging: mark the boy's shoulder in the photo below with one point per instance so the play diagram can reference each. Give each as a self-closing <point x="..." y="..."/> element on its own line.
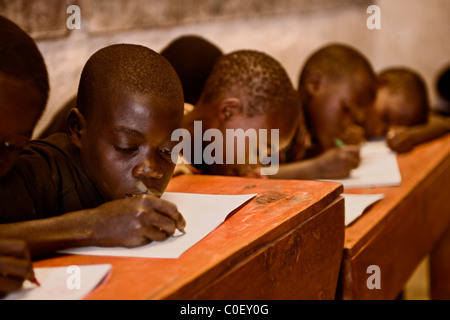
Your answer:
<point x="50" y="181"/>
<point x="56" y="146"/>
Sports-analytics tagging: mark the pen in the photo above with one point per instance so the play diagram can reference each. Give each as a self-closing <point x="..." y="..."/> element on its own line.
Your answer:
<point x="33" y="279"/>
<point x="144" y="190"/>
<point x="339" y="143"/>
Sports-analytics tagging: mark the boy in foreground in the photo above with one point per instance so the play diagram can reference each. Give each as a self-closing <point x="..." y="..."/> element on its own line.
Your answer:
<point x="80" y="189"/>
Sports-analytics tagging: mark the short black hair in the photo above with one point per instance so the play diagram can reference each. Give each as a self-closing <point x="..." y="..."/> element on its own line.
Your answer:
<point x="129" y="68"/>
<point x="21" y="59"/>
<point x="261" y="78"/>
<point x="336" y="61"/>
<point x="409" y="83"/>
<point x="193" y="58"/>
<point x="443" y="83"/>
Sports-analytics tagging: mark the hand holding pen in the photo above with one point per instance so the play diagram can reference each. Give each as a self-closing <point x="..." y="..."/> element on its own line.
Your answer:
<point x="135" y="220"/>
<point x="15" y="266"/>
<point x="144" y="190"/>
<point x="337" y="163"/>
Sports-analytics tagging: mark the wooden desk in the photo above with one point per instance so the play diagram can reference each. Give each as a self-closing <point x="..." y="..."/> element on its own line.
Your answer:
<point x="284" y="244"/>
<point x="400" y="230"/>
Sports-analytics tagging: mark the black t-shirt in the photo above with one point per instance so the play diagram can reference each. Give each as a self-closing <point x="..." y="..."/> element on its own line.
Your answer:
<point x="46" y="181"/>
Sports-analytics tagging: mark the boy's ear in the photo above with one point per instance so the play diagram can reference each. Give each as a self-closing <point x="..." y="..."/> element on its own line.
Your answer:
<point x="229" y="108"/>
<point x="76" y="125"/>
<point x="314" y="82"/>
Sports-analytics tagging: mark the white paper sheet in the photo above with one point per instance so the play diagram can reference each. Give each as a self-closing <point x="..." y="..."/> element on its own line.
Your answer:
<point x="62" y="283"/>
<point x="202" y="212"/>
<point x="378" y="168"/>
<point x="355" y="204"/>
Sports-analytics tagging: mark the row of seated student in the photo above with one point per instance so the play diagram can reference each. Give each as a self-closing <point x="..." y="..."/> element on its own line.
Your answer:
<point x="340" y="101"/>
<point x="78" y="187"/>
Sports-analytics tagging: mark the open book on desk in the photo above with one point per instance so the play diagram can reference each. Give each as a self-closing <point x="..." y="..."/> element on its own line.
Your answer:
<point x="378" y="168"/>
<point x="202" y="212"/>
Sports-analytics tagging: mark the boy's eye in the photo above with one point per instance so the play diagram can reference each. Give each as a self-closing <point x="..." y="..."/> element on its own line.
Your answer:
<point x="10" y="145"/>
<point x="387" y="118"/>
<point x="126" y="150"/>
<point x="166" y="153"/>
<point x="345" y="108"/>
<point x="15" y="143"/>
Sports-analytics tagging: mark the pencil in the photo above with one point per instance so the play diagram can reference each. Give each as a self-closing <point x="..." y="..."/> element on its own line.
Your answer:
<point x="144" y="190"/>
<point x="33" y="279"/>
<point x="339" y="143"/>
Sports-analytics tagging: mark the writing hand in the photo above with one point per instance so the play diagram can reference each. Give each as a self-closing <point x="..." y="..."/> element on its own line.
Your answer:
<point x="15" y="265"/>
<point x="134" y="221"/>
<point x="337" y="163"/>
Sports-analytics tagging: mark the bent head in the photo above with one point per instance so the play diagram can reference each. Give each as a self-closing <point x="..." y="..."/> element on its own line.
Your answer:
<point x="337" y="87"/>
<point x="130" y="100"/>
<point x="401" y="100"/>
<point x="249" y="91"/>
<point x="24" y="91"/>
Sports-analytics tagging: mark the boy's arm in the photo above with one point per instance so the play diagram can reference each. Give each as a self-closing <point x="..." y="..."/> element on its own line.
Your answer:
<point x="403" y="139"/>
<point x="334" y="163"/>
<point x="126" y="222"/>
<point x="301" y="170"/>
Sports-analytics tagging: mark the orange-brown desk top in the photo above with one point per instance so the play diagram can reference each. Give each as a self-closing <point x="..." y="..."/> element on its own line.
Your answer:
<point x="400" y="230"/>
<point x="284" y="244"/>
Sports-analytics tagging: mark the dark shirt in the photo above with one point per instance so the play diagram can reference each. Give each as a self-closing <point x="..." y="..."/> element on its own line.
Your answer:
<point x="46" y="181"/>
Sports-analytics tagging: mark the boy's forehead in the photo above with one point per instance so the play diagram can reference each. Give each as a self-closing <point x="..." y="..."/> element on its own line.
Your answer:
<point x="364" y="84"/>
<point x="138" y="103"/>
<point x="138" y="110"/>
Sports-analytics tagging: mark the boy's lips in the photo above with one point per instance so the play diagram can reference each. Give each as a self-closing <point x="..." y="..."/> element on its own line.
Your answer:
<point x="151" y="191"/>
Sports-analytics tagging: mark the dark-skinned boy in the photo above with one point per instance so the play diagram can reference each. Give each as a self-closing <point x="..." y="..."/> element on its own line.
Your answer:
<point x="24" y="89"/>
<point x="74" y="190"/>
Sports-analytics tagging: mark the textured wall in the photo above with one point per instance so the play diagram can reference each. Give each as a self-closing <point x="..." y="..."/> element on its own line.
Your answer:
<point x="47" y="18"/>
<point x="41" y="18"/>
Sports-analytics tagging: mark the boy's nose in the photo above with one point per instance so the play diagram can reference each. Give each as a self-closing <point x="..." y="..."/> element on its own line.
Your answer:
<point x="361" y="115"/>
<point x="149" y="170"/>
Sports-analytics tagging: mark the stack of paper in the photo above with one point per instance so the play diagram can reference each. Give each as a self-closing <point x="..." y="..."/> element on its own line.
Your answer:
<point x="202" y="212"/>
<point x="378" y="168"/>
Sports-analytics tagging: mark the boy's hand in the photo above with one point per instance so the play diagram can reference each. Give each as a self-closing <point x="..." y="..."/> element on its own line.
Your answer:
<point x="134" y="221"/>
<point x="254" y="171"/>
<point x="354" y="135"/>
<point x="337" y="163"/>
<point x="399" y="139"/>
<point x="15" y="265"/>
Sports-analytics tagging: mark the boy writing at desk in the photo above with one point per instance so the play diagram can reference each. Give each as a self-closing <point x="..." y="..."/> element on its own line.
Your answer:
<point x="250" y="90"/>
<point x="24" y="91"/>
<point x="336" y="87"/>
<point x="129" y="102"/>
<point x="246" y="90"/>
<point x="401" y="111"/>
